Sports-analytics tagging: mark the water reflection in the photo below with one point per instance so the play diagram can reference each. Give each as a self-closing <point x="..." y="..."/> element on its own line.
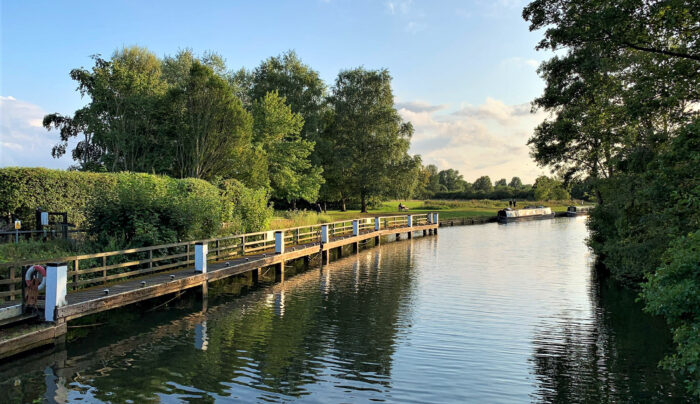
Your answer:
<point x="484" y="313"/>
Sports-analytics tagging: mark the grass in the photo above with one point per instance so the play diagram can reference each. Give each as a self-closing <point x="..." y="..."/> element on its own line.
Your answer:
<point x="448" y="209"/>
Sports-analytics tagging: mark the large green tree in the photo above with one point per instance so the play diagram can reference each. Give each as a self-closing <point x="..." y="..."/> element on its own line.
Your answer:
<point x="299" y="84"/>
<point x="623" y="91"/>
<point x="277" y="131"/>
<point x="210" y="130"/>
<point x="370" y="139"/>
<point x="119" y="124"/>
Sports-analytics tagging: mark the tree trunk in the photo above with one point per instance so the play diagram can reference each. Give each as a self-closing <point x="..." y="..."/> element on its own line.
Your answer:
<point x="364" y="204"/>
<point x="599" y="196"/>
<point x="324" y="207"/>
<point x="342" y="205"/>
<point x="294" y="204"/>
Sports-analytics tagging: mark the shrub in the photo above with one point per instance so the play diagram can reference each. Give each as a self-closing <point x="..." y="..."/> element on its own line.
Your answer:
<point x="22" y="190"/>
<point x="674" y="292"/>
<point x="248" y="211"/>
<point x="143" y="210"/>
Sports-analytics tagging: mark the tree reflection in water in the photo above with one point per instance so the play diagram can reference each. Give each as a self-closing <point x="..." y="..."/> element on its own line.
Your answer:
<point x="611" y="356"/>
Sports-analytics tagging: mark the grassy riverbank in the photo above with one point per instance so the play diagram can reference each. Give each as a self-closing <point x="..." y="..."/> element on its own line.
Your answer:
<point x="447" y="209"/>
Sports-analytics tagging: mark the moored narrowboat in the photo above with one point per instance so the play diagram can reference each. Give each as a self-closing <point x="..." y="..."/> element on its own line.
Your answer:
<point x="572" y="211"/>
<point x="508" y="215"/>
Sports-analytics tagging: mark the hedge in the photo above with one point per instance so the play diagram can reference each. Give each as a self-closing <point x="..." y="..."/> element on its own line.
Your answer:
<point x="22" y="190"/>
<point x="133" y="209"/>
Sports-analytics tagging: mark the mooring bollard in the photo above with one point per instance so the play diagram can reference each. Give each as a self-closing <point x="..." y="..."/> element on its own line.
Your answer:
<point x="200" y="257"/>
<point x="56" y="288"/>
<point x="324" y="233"/>
<point x="279" y="242"/>
<point x="355" y="227"/>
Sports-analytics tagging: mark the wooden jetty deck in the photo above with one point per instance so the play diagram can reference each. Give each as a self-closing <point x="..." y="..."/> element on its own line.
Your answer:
<point x="104" y="281"/>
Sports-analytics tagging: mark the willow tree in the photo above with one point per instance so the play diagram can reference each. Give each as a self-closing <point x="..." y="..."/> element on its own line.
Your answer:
<point x="370" y="139"/>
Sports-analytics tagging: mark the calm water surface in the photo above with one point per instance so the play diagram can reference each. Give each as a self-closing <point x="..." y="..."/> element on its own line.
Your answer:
<point x="492" y="313"/>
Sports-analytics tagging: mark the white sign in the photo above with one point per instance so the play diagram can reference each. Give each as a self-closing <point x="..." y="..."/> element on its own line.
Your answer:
<point x="18" y="225"/>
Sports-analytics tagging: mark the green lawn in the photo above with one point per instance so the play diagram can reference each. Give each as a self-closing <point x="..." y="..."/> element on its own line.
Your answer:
<point x="446" y="209"/>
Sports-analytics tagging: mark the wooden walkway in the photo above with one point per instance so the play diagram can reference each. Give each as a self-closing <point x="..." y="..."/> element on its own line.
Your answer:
<point x="131" y="287"/>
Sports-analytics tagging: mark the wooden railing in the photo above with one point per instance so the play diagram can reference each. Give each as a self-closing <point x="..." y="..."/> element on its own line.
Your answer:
<point x="103" y="268"/>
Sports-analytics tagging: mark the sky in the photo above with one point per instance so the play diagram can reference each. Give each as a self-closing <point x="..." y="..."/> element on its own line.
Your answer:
<point x="464" y="72"/>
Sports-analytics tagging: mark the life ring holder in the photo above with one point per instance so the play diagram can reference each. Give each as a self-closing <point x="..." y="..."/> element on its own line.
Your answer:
<point x="30" y="273"/>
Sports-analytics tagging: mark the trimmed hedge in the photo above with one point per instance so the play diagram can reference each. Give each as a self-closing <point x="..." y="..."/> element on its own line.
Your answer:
<point x="22" y="190"/>
<point x="133" y="209"/>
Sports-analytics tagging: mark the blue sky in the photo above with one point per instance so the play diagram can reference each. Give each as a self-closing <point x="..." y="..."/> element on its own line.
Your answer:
<point x="464" y="71"/>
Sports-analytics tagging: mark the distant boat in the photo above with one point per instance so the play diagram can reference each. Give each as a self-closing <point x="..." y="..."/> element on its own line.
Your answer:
<point x="508" y="215"/>
<point x="572" y="211"/>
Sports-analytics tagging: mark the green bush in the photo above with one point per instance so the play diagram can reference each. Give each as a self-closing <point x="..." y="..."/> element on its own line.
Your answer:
<point x="144" y="210"/>
<point x="22" y="190"/>
<point x="674" y="292"/>
<point x="248" y="211"/>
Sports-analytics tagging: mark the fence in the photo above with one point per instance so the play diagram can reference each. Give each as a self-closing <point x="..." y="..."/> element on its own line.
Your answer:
<point x="102" y="268"/>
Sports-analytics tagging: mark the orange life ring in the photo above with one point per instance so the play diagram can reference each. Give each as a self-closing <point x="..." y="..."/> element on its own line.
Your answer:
<point x="30" y="274"/>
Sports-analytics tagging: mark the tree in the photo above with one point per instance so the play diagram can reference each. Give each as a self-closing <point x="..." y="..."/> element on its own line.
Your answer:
<point x="276" y="130"/>
<point x="370" y="138"/>
<point x="451" y="180"/>
<point x="406" y="180"/>
<point x="300" y="85"/>
<point x="483" y="184"/>
<point x="209" y="128"/>
<point x="515" y="182"/>
<point x="549" y="189"/>
<point x="119" y="124"/>
<point x="501" y="183"/>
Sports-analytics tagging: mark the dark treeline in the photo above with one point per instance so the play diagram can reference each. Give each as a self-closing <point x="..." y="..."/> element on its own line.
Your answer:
<point x="623" y="91"/>
<point x="450" y="184"/>
<point x="277" y="127"/>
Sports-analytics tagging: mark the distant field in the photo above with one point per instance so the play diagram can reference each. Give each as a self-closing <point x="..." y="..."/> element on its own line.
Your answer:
<point x="447" y="210"/>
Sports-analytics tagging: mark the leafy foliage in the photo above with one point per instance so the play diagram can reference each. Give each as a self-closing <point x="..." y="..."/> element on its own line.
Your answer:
<point x="674" y="292"/>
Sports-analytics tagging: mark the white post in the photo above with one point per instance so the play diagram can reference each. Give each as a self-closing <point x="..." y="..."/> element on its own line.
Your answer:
<point x="200" y="257"/>
<point x="355" y="227"/>
<point x="429" y="218"/>
<point x="435" y="218"/>
<point x="409" y="220"/>
<point x="324" y="233"/>
<point x="376" y="224"/>
<point x="279" y="242"/>
<point x="56" y="288"/>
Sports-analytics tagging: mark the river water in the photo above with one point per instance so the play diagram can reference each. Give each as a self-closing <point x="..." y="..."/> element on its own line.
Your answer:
<point x="491" y="313"/>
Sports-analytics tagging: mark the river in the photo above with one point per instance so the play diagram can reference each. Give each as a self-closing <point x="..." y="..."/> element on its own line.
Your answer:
<point x="490" y="313"/>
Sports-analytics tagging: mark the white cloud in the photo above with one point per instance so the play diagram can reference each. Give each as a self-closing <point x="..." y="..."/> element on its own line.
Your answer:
<point x="420" y="106"/>
<point x="487" y="139"/>
<point x="23" y="140"/>
<point x="518" y="62"/>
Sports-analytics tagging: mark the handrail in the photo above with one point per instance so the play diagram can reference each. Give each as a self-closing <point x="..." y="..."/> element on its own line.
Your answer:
<point x="99" y="268"/>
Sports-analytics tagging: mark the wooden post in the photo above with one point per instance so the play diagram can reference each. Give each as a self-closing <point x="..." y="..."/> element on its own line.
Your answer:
<point x="256" y="275"/>
<point x="13" y="279"/>
<point x="56" y="288"/>
<point x="242" y="245"/>
<point x="279" y="242"/>
<point x="104" y="271"/>
<point x="355" y="247"/>
<point x="76" y="268"/>
<point x="279" y="272"/>
<point x="200" y="257"/>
